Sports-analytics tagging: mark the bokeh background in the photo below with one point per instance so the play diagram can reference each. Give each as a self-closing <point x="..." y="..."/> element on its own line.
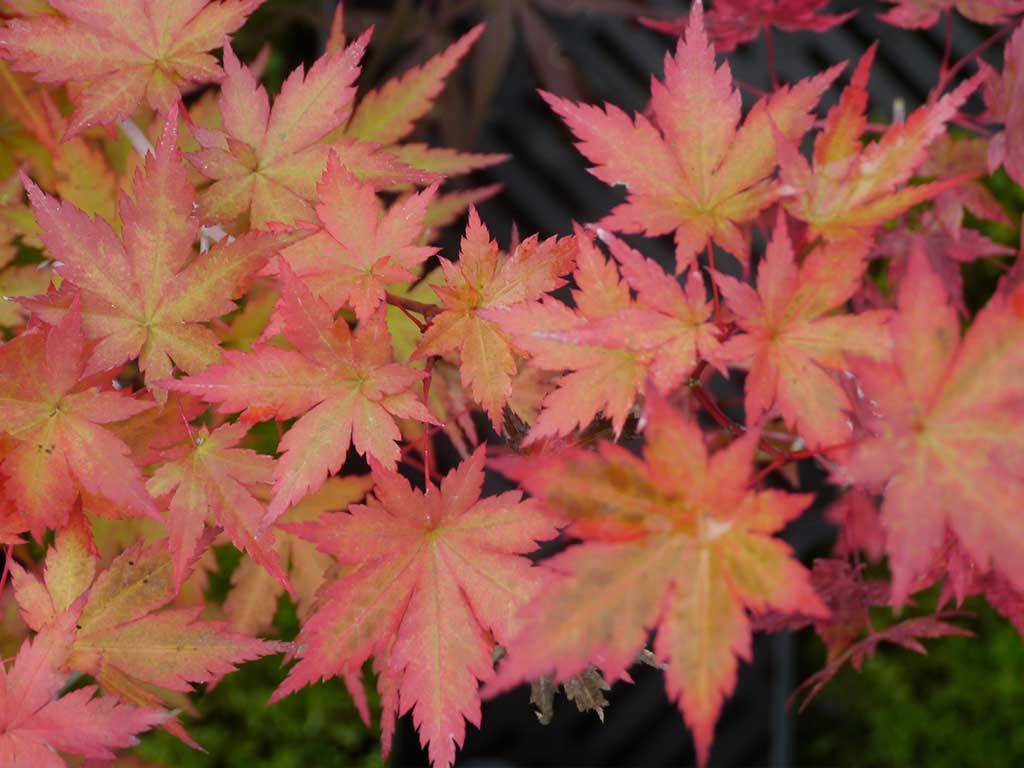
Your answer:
<point x="959" y="706"/>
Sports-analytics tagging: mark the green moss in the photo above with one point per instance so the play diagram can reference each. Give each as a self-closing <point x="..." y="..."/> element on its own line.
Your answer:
<point x="959" y="706"/>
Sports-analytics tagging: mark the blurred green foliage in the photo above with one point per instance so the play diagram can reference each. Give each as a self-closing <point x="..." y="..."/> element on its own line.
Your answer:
<point x="958" y="707"/>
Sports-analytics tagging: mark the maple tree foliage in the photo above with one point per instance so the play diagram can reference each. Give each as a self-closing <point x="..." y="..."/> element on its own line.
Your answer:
<point x="211" y="319"/>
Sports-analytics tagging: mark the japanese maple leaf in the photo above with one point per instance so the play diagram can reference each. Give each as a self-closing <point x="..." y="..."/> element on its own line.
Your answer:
<point x="343" y="386"/>
<point x="794" y="338"/>
<point x="55" y="419"/>
<point x="432" y="580"/>
<point x="675" y="542"/>
<point x="211" y="478"/>
<point x="252" y="601"/>
<point x="1004" y="99"/>
<point x="734" y="22"/>
<point x="669" y="326"/>
<point x="120" y="53"/>
<point x="266" y="162"/>
<point x="485" y="279"/>
<point x="599" y="379"/>
<point x="123" y="639"/>
<point x="144" y="292"/>
<point x="692" y="172"/>
<point x="852" y="188"/>
<point x="949" y="445"/>
<point x="362" y="247"/>
<point x="36" y="722"/>
<point x="920" y="14"/>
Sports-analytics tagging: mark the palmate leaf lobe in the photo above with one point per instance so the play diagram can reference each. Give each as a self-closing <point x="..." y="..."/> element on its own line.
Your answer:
<point x="792" y="335"/>
<point x="122" y="637"/>
<point x="485" y="280"/>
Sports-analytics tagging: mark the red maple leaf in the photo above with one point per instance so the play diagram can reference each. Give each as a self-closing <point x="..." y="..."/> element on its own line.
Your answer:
<point x="735" y="22"/>
<point x="36" y="722"/>
<point x="431" y="581"/>
<point x="920" y="14"/>
<point x="949" y="442"/>
<point x="145" y="292"/>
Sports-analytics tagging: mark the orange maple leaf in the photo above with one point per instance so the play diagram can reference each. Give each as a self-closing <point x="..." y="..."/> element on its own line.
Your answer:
<point x="793" y="336"/>
<point x="265" y="163"/>
<point x="485" y="279"/>
<point x="54" y="418"/>
<point x="361" y="247"/>
<point x="693" y="172"/>
<point x="144" y="292"/>
<point x="676" y="542"/>
<point x="120" y="53"/>
<point x="122" y="637"/>
<point x="949" y="442"/>
<point x="432" y="580"/>
<point x="210" y="477"/>
<point x="851" y="188"/>
<point x="345" y="388"/>
<point x="611" y="344"/>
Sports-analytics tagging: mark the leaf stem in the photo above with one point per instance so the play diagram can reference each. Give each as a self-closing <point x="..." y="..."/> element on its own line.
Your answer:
<point x="947" y="76"/>
<point x="419" y="307"/>
<point x="136" y="137"/>
<point x="716" y="301"/>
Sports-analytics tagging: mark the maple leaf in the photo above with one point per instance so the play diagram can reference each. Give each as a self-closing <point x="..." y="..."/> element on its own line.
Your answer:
<point x="431" y="581"/>
<point x="676" y="542"/>
<point x="485" y="279"/>
<point x="36" y="722"/>
<point x="793" y="336"/>
<point x="1004" y="101"/>
<point x="669" y="326"/>
<point x="144" y="292"/>
<point x="852" y="188"/>
<point x="361" y="247"/>
<point x="948" y="444"/>
<point x="56" y="419"/>
<point x="252" y="601"/>
<point x="343" y="386"/>
<point x="921" y="14"/>
<point x="123" y="639"/>
<point x="599" y="379"/>
<point x="123" y="53"/>
<point x="692" y="172"/>
<point x="266" y="162"/>
<point x="210" y="477"/>
<point x="734" y="22"/>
